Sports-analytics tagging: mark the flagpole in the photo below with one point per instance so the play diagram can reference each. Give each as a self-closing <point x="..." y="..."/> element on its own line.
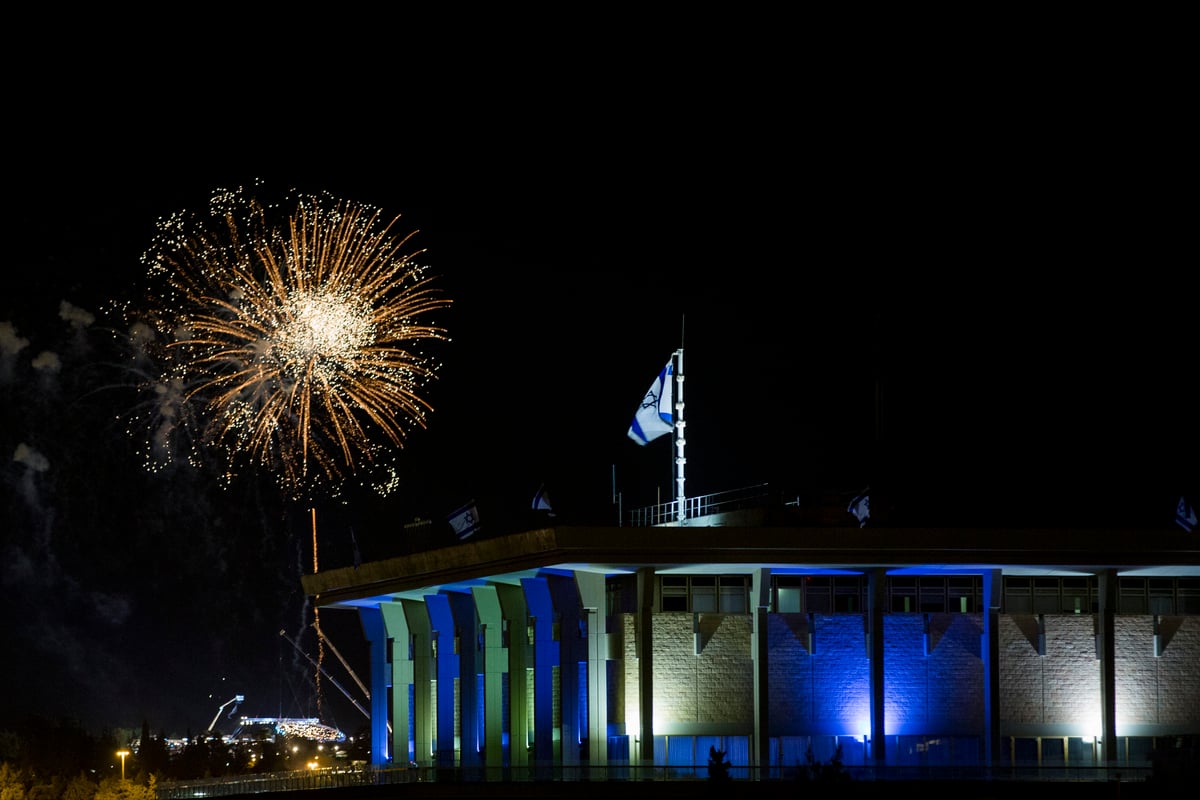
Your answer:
<point x="680" y="441"/>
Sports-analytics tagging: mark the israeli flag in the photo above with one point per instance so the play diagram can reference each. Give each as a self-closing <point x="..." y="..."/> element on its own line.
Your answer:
<point x="654" y="417"/>
<point x="860" y="507"/>
<point x="465" y="520"/>
<point x="1185" y="515"/>
<point x="541" y="500"/>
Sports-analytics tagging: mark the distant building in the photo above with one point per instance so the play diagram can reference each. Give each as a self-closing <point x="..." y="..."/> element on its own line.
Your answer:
<point x="624" y="649"/>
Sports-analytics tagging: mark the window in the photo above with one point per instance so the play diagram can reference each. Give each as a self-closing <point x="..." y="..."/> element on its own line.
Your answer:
<point x="1046" y="596"/>
<point x="726" y="594"/>
<point x="1162" y="596"/>
<point x="789" y="594"/>
<point x="674" y="592"/>
<point x="933" y="593"/>
<point x="733" y="594"/>
<point x="1076" y="596"/>
<point x="818" y="594"/>
<point x="1018" y="595"/>
<point x="848" y="593"/>
<point x="963" y="593"/>
<point x="704" y="593"/>
<point x="903" y="593"/>
<point x="1188" y="594"/>
<point x="1132" y="599"/>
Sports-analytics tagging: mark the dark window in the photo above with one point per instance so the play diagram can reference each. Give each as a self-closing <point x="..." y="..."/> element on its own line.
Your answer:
<point x="818" y="594"/>
<point x="674" y="593"/>
<point x="848" y="593"/>
<point x="903" y="592"/>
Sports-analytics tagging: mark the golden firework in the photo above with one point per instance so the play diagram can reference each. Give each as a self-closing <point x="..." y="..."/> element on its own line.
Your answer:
<point x="294" y="329"/>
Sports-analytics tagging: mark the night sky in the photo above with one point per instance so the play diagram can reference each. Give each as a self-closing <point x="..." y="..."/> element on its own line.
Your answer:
<point x="986" y="320"/>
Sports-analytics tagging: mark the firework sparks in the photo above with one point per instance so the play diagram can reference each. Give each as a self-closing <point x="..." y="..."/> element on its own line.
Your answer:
<point x="290" y="332"/>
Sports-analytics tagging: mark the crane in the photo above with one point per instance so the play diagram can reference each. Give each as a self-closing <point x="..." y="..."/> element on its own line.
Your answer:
<point x="342" y="659"/>
<point x="237" y="699"/>
<point x="323" y="671"/>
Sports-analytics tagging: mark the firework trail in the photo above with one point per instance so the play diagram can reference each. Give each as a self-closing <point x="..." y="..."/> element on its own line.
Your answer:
<point x="285" y="339"/>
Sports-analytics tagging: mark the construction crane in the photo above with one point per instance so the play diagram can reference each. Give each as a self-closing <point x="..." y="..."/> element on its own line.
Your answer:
<point x="340" y="658"/>
<point x="324" y="672"/>
<point x="237" y="699"/>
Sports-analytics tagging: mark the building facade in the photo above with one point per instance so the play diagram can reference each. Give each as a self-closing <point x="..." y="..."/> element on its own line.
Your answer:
<point x="613" y="651"/>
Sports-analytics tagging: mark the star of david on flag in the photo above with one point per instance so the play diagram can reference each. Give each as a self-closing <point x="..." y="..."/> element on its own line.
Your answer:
<point x="465" y="521"/>
<point x="654" y="417"/>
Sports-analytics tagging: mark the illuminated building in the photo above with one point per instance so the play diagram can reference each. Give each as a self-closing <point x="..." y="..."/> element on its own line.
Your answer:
<point x="629" y="648"/>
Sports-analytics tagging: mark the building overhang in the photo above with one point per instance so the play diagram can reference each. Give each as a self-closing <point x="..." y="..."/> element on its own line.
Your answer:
<point x="623" y="550"/>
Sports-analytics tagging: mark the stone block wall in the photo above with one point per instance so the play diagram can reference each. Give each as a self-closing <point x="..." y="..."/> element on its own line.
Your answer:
<point x="1061" y="687"/>
<point x="1163" y="690"/>
<point x="715" y="685"/>
<point x="939" y="693"/>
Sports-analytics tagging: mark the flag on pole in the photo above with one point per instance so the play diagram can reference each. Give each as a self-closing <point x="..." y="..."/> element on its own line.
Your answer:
<point x="465" y="521"/>
<point x="541" y="500"/>
<point x="654" y="417"/>
<point x="1185" y="515"/>
<point x="860" y="507"/>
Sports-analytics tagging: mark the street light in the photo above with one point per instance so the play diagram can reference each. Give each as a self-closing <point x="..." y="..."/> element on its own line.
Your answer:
<point x="122" y="754"/>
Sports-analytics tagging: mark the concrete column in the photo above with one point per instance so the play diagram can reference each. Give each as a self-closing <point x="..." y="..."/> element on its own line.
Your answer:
<point x="593" y="596"/>
<point x="545" y="659"/>
<point x="375" y="632"/>
<point x="876" y="604"/>
<point x="520" y="660"/>
<point x="760" y="602"/>
<point x="400" y="678"/>
<point x="441" y="621"/>
<point x="494" y="668"/>
<point x="572" y="649"/>
<point x="470" y="657"/>
<point x="1105" y="647"/>
<point x="417" y="668"/>
<point x="993" y="593"/>
<point x="644" y="755"/>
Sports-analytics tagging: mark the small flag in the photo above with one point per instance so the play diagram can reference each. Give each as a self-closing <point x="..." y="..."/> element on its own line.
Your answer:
<point x="654" y="417"/>
<point x="1185" y="515"/>
<point x="541" y="500"/>
<point x="860" y="507"/>
<point x="465" y="521"/>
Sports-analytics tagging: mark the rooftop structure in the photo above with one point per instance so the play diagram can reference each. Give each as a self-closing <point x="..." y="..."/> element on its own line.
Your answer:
<point x="624" y="649"/>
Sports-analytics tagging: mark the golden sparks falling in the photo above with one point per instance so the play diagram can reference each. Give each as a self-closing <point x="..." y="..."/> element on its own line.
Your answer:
<point x="287" y="336"/>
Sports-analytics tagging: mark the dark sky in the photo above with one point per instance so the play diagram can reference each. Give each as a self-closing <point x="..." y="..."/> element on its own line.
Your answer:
<point x="1004" y="267"/>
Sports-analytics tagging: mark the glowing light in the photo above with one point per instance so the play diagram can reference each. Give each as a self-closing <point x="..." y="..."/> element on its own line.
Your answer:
<point x="283" y="337"/>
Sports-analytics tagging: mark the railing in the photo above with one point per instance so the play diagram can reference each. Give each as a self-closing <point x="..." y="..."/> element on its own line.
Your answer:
<point x="370" y="776"/>
<point x="719" y="502"/>
<point x="297" y="780"/>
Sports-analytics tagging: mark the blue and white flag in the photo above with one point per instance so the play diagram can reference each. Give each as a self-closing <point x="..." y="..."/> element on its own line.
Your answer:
<point x="1185" y="515"/>
<point x="654" y="417"/>
<point x="465" y="521"/>
<point x="860" y="507"/>
<point x="541" y="500"/>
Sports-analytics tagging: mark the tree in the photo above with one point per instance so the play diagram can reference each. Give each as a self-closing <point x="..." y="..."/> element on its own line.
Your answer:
<point x="718" y="765"/>
<point x="79" y="788"/>
<point x="831" y="771"/>
<point x="117" y="789"/>
<point x="12" y="784"/>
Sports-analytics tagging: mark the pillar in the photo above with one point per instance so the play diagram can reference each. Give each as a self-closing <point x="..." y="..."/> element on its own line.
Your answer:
<point x="379" y="657"/>
<point x="1105" y="640"/>
<point x="592" y="595"/>
<point x="494" y="668"/>
<point x="993" y="592"/>
<point x="876" y="602"/>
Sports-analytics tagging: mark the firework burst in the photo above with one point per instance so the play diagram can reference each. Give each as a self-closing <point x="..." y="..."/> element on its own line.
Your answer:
<point x="287" y="338"/>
